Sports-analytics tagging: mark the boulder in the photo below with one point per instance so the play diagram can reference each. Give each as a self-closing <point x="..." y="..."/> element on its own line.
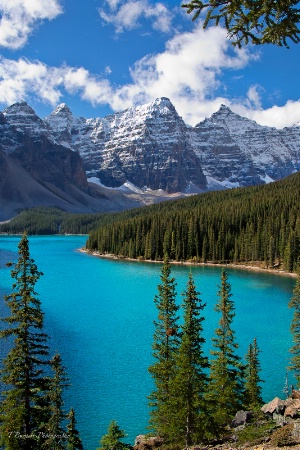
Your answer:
<point x="280" y="420"/>
<point x="295" y="394"/>
<point x="275" y="406"/>
<point x="292" y="408"/>
<point x="241" y="418"/>
<point x="147" y="442"/>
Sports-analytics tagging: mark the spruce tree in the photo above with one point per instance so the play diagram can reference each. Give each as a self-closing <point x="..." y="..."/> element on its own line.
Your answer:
<point x="226" y="384"/>
<point x="112" y="440"/>
<point x="165" y="346"/>
<point x="253" y="399"/>
<point x="54" y="432"/>
<point x="190" y="382"/>
<point x="295" y="330"/>
<point x="73" y="438"/>
<point x="24" y="401"/>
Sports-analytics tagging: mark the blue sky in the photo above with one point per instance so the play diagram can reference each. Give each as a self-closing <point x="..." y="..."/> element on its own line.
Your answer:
<point x="101" y="56"/>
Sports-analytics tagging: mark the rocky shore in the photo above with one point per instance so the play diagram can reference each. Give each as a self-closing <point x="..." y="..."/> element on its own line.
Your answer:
<point x="275" y="427"/>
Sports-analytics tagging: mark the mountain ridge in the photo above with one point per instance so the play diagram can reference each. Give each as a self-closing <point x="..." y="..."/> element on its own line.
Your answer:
<point x="151" y="146"/>
<point x="148" y="153"/>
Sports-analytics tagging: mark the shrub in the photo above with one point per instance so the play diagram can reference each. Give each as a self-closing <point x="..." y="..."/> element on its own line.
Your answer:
<point x="283" y="436"/>
<point x="256" y="432"/>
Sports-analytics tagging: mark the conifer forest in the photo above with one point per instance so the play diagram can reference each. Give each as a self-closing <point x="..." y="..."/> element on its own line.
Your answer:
<point x="256" y="224"/>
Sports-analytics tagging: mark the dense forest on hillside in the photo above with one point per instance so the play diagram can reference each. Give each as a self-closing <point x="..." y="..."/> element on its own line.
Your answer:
<point x="260" y="223"/>
<point x="47" y="220"/>
<point x="52" y="220"/>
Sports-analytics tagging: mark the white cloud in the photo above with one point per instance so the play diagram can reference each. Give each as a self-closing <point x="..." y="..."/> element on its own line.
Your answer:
<point x="126" y="15"/>
<point x="21" y="79"/>
<point x="107" y="70"/>
<point x="277" y="116"/>
<point x="254" y="97"/>
<point x="189" y="72"/>
<point x="18" y="18"/>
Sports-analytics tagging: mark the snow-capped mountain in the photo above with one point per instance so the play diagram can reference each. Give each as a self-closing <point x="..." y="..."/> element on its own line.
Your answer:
<point x="238" y="152"/>
<point x="145" y="146"/>
<point x="35" y="171"/>
<point x="150" y="146"/>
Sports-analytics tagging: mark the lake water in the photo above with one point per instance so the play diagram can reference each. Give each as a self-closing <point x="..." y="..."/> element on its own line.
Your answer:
<point x="99" y="314"/>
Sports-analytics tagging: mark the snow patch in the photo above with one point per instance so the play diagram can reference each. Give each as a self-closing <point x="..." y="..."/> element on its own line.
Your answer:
<point x="96" y="180"/>
<point x="193" y="189"/>
<point x="266" y="179"/>
<point x="214" y="185"/>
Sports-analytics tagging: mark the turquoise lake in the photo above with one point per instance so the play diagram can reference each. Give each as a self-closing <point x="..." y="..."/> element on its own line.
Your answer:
<point x="99" y="315"/>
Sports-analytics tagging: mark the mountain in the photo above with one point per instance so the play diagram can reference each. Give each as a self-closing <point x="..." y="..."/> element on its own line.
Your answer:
<point x="236" y="151"/>
<point x="144" y="145"/>
<point x="143" y="154"/>
<point x="151" y="146"/>
<point x="35" y="171"/>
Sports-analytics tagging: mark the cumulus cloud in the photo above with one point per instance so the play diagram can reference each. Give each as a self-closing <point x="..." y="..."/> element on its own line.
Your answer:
<point x="189" y="72"/>
<point x="254" y="96"/>
<point x="127" y="15"/>
<point x="277" y="116"/>
<point x="23" y="78"/>
<point x="18" y="18"/>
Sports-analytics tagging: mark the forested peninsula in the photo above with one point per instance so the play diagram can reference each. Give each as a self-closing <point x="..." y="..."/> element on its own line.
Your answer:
<point x="258" y="225"/>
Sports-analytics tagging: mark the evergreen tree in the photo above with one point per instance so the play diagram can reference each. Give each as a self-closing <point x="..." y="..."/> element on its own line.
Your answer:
<point x="165" y="346"/>
<point x="73" y="438"/>
<point x="230" y="226"/>
<point x="24" y="406"/>
<point x="56" y="436"/>
<point x="190" y="382"/>
<point x="295" y="330"/>
<point x="252" y="379"/>
<point x="262" y="22"/>
<point x="112" y="440"/>
<point x="226" y="384"/>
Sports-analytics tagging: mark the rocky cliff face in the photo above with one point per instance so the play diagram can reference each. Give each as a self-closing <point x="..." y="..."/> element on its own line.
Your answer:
<point x="44" y="160"/>
<point x="236" y="151"/>
<point x="35" y="171"/>
<point x="146" y="146"/>
<point x="150" y="147"/>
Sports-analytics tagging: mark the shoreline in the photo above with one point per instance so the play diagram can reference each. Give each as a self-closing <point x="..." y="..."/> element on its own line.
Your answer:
<point x="251" y="268"/>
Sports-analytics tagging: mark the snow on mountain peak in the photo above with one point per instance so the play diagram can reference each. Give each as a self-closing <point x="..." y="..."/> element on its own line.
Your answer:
<point x="23" y="117"/>
<point x="150" y="145"/>
<point x="162" y="102"/>
<point x="224" y="108"/>
<point x="19" y="109"/>
<point x="164" y="105"/>
<point x="223" y="112"/>
<point x="62" y="109"/>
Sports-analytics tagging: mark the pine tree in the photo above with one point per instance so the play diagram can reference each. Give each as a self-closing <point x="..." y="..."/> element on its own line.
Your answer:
<point x="190" y="382"/>
<point x="165" y="345"/>
<point x="226" y="385"/>
<point x="24" y="406"/>
<point x="295" y="330"/>
<point x="245" y="22"/>
<point x="252" y="387"/>
<point x="73" y="438"/>
<point x="112" y="440"/>
<point x="55" y="435"/>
